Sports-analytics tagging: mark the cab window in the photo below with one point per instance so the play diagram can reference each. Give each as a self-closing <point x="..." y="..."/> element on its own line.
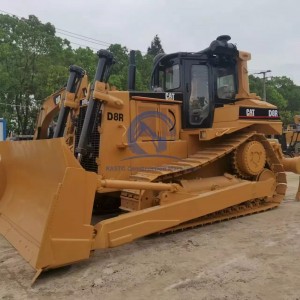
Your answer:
<point x="226" y="88"/>
<point x="172" y="78"/>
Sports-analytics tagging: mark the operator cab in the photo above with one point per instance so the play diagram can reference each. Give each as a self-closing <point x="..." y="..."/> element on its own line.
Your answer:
<point x="206" y="79"/>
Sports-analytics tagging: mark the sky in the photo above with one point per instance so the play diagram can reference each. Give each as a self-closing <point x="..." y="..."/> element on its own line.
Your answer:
<point x="268" y="29"/>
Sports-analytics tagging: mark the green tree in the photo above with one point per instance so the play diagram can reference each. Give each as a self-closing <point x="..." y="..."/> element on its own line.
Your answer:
<point x="28" y="48"/>
<point x="143" y="71"/>
<point x="155" y="47"/>
<point x="34" y="63"/>
<point x="275" y="97"/>
<point x="256" y="85"/>
<point x="282" y="92"/>
<point x="119" y="72"/>
<point x="289" y="90"/>
<point x="87" y="59"/>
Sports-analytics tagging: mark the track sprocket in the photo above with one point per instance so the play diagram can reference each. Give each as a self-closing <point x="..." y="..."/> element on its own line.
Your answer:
<point x="249" y="159"/>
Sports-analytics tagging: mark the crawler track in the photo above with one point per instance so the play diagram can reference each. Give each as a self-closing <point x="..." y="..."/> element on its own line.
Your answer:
<point x="224" y="146"/>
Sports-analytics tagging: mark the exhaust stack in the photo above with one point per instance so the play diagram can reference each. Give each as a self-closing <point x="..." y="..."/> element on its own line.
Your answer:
<point x="76" y="73"/>
<point x="105" y="63"/>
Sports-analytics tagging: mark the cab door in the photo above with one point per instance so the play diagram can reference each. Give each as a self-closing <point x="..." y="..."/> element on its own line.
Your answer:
<point x="198" y="104"/>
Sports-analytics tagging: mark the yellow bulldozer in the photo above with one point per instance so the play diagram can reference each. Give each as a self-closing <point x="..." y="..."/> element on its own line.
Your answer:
<point x="290" y="139"/>
<point x="191" y="151"/>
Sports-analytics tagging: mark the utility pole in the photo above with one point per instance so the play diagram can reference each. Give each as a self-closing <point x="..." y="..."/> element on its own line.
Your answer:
<point x="264" y="83"/>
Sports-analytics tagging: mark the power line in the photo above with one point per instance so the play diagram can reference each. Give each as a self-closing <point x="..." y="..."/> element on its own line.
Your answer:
<point x="76" y="36"/>
<point x="86" y="37"/>
<point x="69" y="33"/>
<point x="96" y="49"/>
<point x="86" y="40"/>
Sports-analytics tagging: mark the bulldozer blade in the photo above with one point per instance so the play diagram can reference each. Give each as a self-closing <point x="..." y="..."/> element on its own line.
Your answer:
<point x="46" y="201"/>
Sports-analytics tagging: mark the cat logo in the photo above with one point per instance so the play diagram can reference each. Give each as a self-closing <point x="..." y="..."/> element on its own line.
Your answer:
<point x="170" y="96"/>
<point x="250" y="112"/>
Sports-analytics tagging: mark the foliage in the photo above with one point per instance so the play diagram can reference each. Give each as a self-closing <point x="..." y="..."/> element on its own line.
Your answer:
<point x="280" y="91"/>
<point x="143" y="72"/>
<point x="119" y="72"/>
<point x="85" y="58"/>
<point x="155" y="47"/>
<point x="144" y="64"/>
<point x="118" y="77"/>
<point x="34" y="63"/>
<point x="27" y="49"/>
